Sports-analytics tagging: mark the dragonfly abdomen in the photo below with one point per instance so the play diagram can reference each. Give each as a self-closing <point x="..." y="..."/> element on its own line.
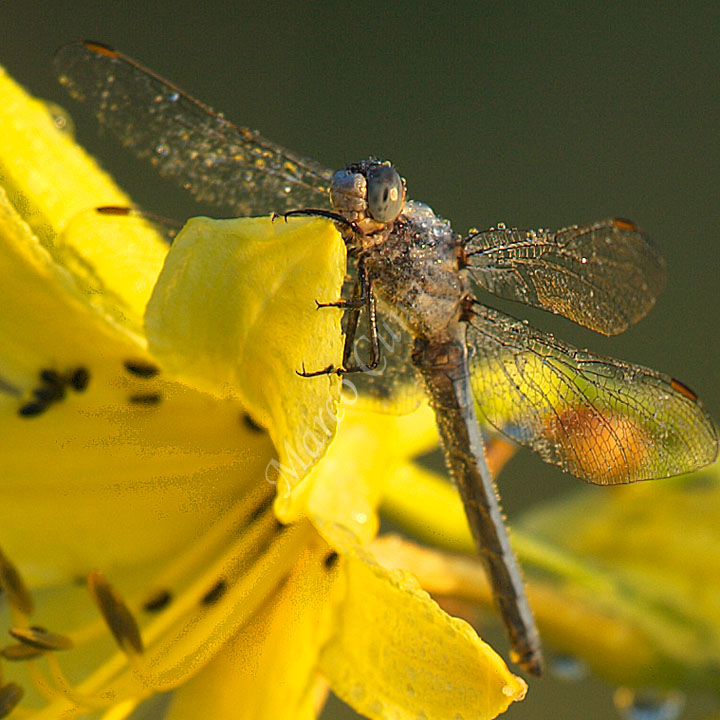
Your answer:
<point x="445" y="372"/>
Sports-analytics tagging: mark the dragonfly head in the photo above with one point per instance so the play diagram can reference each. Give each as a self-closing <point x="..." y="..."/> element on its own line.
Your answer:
<point x="369" y="193"/>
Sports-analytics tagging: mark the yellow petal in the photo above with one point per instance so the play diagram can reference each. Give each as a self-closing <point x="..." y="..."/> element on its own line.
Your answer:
<point x="234" y="311"/>
<point x="347" y="486"/>
<point x="44" y="314"/>
<point x="102" y="476"/>
<point x="115" y="261"/>
<point x="395" y="654"/>
<point x="51" y="181"/>
<point x="267" y="671"/>
<point x="52" y="178"/>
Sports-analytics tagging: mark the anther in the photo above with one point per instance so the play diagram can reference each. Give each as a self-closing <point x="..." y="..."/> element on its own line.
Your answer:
<point x="41" y="639"/>
<point x="116" y="613"/>
<point x="10" y="695"/>
<point x="12" y="583"/>
<point x="20" y="652"/>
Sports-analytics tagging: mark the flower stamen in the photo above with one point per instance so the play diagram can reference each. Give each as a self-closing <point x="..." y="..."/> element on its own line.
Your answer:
<point x="20" y="652"/>
<point x="41" y="639"/>
<point x="10" y="696"/>
<point x="116" y="613"/>
<point x="12" y="583"/>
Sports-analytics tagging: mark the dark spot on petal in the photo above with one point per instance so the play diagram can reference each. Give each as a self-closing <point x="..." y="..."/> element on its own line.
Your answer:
<point x="215" y="593"/>
<point x="47" y="394"/>
<point x="32" y="409"/>
<point x="141" y="368"/>
<point x="330" y="560"/>
<point x="262" y="507"/>
<point x="283" y="582"/>
<point x="80" y="379"/>
<point x="158" y="602"/>
<point x="51" y="377"/>
<point x="250" y="423"/>
<point x="145" y="399"/>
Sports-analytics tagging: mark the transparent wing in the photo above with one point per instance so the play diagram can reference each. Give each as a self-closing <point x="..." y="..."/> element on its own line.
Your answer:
<point x="605" y="276"/>
<point x="217" y="162"/>
<point x="600" y="419"/>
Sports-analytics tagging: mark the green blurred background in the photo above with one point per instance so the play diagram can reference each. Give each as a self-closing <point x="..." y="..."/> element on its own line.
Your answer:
<point x="535" y="114"/>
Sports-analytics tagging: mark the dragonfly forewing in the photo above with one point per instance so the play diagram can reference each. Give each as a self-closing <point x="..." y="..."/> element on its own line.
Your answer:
<point x="228" y="166"/>
<point x="601" y="419"/>
<point x="604" y="276"/>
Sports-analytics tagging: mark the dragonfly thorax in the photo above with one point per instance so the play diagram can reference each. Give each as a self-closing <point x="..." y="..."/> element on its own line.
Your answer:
<point x="416" y="271"/>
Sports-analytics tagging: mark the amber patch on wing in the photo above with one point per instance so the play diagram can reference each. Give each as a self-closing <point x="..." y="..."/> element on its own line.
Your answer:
<point x="605" y="449"/>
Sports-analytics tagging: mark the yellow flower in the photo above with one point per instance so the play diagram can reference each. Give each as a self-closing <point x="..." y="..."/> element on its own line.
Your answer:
<point x="132" y="382"/>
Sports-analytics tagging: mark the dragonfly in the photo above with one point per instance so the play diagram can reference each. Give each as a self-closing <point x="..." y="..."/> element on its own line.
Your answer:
<point x="604" y="420"/>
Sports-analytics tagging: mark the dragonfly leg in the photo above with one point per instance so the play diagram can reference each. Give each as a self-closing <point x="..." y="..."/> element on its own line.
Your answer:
<point x="356" y="302"/>
<point x="363" y="292"/>
<point x="362" y="298"/>
<point x="313" y="212"/>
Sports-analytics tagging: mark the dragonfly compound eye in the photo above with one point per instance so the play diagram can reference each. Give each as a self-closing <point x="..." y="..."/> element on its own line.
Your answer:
<point x="385" y="193"/>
